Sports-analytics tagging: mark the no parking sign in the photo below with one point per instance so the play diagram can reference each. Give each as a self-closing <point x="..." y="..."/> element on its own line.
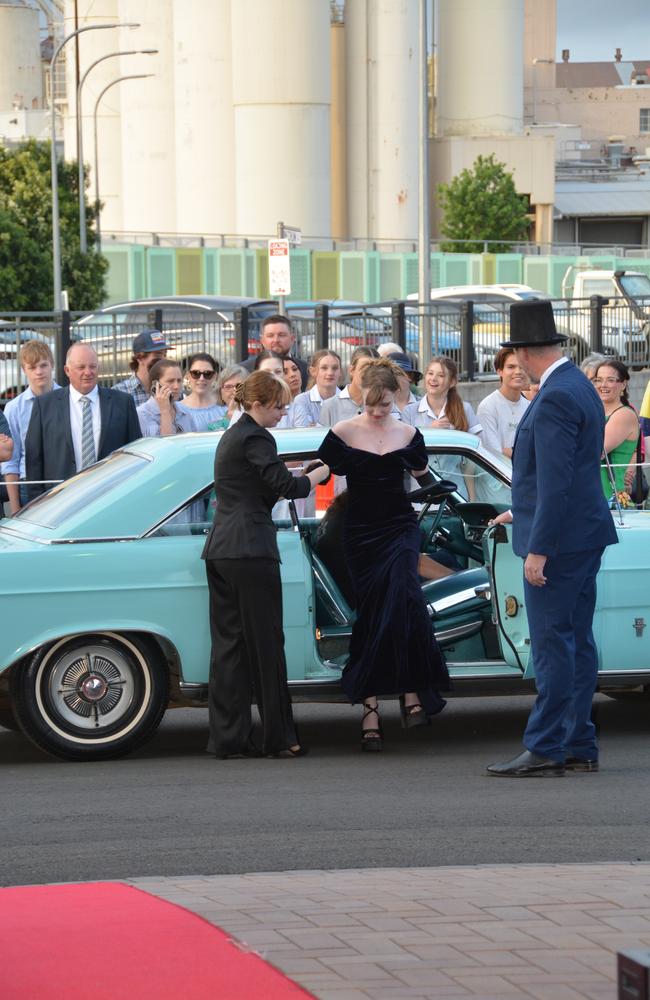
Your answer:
<point x="279" y="268"/>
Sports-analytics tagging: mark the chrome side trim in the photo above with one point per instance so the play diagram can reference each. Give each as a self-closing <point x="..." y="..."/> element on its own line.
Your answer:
<point x="453" y="599"/>
<point x="460" y="631"/>
<point x="89" y="541"/>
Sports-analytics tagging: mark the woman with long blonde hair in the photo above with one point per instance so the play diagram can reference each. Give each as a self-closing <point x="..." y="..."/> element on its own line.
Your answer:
<point x="442" y="407"/>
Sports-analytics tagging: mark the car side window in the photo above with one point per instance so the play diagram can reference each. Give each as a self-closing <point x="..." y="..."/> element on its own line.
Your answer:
<point x="194" y="518"/>
<point x="305" y="508"/>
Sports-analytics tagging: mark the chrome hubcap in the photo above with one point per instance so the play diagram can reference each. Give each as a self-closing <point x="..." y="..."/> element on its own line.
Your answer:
<point x="92" y="687"/>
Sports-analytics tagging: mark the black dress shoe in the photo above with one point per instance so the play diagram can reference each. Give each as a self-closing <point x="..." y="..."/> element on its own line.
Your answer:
<point x="527" y="765"/>
<point x="580" y="764"/>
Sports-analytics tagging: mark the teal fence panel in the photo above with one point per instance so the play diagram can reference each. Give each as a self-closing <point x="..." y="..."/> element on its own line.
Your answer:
<point x="436" y="269"/>
<point x="641" y="264"/>
<point x="161" y="271"/>
<point x="537" y="273"/>
<point x="235" y="272"/>
<point x="359" y="277"/>
<point x="456" y="269"/>
<point x="300" y="263"/>
<point x="210" y="270"/>
<point x="390" y="276"/>
<point x="509" y="268"/>
<point x="125" y="279"/>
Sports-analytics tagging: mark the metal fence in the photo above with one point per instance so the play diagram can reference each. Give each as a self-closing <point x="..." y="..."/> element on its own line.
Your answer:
<point x="469" y="331"/>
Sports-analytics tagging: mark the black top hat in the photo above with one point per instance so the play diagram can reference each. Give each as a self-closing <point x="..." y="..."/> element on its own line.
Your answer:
<point x="532" y="325"/>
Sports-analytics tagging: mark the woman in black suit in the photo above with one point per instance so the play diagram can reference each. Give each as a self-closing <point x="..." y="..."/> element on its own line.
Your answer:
<point x="242" y="565"/>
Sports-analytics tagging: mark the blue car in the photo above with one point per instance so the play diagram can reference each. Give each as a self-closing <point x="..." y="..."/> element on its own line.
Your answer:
<point x="104" y="603"/>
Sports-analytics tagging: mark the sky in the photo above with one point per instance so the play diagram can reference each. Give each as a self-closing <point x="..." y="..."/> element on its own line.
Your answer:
<point x="593" y="29"/>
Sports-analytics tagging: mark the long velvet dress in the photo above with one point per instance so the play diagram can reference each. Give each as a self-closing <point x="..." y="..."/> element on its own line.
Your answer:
<point x="392" y="649"/>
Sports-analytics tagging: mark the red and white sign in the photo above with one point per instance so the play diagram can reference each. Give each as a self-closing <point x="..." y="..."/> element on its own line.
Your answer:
<point x="279" y="268"/>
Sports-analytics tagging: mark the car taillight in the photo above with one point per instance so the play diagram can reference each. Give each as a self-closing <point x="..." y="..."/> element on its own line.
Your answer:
<point x="368" y="341"/>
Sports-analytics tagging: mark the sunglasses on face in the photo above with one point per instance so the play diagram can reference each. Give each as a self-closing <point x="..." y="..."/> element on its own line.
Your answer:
<point x="196" y="374"/>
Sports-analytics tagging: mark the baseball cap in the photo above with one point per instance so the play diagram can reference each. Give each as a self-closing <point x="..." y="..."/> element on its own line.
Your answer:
<point x="404" y="362"/>
<point x="150" y="340"/>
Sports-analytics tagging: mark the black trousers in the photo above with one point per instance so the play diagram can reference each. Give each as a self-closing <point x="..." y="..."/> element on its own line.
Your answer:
<point x="247" y="656"/>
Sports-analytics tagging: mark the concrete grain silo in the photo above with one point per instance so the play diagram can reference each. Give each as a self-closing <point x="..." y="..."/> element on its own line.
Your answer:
<point x="21" y="79"/>
<point x="281" y="99"/>
<point x="205" y="160"/>
<point x="382" y="123"/>
<point x="480" y="67"/>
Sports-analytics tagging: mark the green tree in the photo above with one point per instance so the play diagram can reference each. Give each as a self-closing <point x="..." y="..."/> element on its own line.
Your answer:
<point x="26" y="234"/>
<point x="482" y="204"/>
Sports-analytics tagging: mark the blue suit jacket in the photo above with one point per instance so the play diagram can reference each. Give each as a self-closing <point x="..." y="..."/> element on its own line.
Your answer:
<point x="49" y="452"/>
<point x="558" y="504"/>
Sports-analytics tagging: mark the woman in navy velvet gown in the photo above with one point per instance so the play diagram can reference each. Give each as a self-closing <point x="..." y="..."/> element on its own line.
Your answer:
<point x="393" y="649"/>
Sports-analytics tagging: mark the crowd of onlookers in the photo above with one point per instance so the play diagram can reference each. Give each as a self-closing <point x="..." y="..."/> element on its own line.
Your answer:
<point x="47" y="434"/>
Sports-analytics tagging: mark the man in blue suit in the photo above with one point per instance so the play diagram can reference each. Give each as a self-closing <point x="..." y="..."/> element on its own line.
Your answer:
<point x="560" y="526"/>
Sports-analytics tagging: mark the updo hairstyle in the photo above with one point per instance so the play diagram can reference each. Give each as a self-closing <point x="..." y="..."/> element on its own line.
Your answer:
<point x="379" y="376"/>
<point x="263" y="388"/>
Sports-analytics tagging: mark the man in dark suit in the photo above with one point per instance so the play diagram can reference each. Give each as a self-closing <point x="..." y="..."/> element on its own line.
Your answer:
<point x="277" y="335"/>
<point x="72" y="428"/>
<point x="560" y="526"/>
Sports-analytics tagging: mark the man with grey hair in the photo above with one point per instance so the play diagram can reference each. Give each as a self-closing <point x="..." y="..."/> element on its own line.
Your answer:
<point x="72" y="428"/>
<point x="560" y="526"/>
<point x="589" y="365"/>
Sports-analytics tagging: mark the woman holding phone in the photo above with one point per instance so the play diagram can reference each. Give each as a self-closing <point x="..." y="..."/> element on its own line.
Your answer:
<point x="160" y="416"/>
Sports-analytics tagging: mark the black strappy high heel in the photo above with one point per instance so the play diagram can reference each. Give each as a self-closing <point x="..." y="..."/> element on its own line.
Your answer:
<point x="372" y="740"/>
<point x="412" y="715"/>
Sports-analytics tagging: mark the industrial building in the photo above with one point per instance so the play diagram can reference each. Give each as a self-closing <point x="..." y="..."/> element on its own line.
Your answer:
<point x="252" y="111"/>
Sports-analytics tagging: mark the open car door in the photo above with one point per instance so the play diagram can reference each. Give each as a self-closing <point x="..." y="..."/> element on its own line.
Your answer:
<point x="507" y="586"/>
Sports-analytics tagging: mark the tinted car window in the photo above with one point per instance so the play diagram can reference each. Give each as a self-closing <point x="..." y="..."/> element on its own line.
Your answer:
<point x="72" y="496"/>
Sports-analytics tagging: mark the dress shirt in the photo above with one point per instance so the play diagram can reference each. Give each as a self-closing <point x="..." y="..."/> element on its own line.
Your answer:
<point x="149" y="417"/>
<point x="550" y="369"/>
<point x="307" y="407"/>
<point x="134" y="387"/>
<point x="18" y="412"/>
<point x="420" y="414"/>
<point x="76" y="420"/>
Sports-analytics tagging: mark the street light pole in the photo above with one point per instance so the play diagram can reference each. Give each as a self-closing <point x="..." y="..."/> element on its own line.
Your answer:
<point x="83" y="241"/>
<point x="56" y="226"/>
<point x="131" y="76"/>
<point x="424" y="247"/>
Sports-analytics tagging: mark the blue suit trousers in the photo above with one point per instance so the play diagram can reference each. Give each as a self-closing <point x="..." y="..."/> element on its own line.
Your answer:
<point x="560" y="616"/>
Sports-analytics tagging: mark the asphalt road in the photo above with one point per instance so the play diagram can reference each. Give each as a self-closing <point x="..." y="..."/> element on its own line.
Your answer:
<point x="171" y="810"/>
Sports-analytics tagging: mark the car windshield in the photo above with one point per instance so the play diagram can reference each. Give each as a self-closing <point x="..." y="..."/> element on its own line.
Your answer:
<point x="72" y="496"/>
<point x="474" y="479"/>
<point x="637" y="286"/>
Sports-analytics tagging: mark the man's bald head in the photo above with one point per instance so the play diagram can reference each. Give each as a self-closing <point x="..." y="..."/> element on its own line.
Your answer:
<point x="81" y="367"/>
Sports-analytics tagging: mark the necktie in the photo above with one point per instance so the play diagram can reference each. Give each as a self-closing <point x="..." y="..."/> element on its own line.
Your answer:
<point x="88" y="456"/>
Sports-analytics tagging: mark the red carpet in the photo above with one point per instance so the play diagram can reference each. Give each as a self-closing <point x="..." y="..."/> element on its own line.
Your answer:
<point x="107" y="941"/>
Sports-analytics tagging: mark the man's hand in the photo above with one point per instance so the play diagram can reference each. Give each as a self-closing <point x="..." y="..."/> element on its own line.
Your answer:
<point x="534" y="569"/>
<point x="505" y="518"/>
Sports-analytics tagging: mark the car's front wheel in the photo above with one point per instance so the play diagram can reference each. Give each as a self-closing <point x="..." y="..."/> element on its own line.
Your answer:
<point x="91" y="697"/>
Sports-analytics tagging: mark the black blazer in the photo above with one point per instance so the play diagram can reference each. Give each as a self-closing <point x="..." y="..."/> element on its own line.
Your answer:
<point x="49" y="452"/>
<point x="249" y="479"/>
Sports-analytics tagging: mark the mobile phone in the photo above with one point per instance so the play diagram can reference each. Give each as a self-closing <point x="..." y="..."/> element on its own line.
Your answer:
<point x="154" y="387"/>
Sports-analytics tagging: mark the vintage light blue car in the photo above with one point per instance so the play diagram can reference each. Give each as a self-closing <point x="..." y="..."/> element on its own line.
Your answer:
<point x="104" y="610"/>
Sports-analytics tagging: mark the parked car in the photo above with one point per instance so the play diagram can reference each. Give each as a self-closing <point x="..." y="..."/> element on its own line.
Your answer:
<point x="190" y="323"/>
<point x="625" y="315"/>
<point x="104" y="600"/>
<point x="354" y="324"/>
